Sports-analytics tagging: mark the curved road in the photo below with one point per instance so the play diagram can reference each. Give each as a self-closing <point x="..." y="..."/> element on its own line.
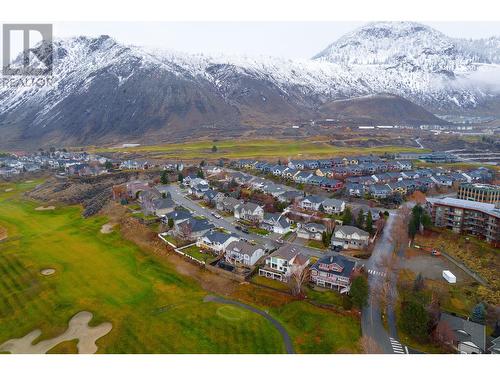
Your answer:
<point x="286" y="337"/>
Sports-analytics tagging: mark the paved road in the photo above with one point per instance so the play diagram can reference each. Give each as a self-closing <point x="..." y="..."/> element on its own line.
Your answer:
<point x="286" y="337"/>
<point x="371" y="319"/>
<point x="182" y="200"/>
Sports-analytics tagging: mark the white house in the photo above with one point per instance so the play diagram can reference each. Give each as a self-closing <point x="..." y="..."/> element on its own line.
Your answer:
<point x="350" y="237"/>
<point x="241" y="252"/>
<point x="216" y="241"/>
<point x="333" y="206"/>
<point x="311" y="202"/>
<point x="277" y="223"/>
<point x="249" y="211"/>
<point x="279" y="264"/>
<point x="311" y="231"/>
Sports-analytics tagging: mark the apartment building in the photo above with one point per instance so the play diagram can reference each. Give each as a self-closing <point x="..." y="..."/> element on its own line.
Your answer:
<point x="468" y="217"/>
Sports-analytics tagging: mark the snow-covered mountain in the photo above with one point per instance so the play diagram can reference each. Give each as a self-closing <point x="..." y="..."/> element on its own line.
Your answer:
<point x="104" y="91"/>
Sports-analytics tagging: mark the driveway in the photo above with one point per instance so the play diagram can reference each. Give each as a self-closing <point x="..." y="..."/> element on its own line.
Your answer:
<point x="284" y="334"/>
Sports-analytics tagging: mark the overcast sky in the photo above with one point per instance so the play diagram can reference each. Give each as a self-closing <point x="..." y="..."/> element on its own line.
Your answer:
<point x="285" y="39"/>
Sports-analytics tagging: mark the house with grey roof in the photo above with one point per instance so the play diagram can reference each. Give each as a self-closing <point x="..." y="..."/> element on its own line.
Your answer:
<point x="242" y="252"/>
<point x="216" y="241"/>
<point x="178" y="216"/>
<point x="192" y="228"/>
<point x="276" y="222"/>
<point x="333" y="272"/>
<point x="227" y="204"/>
<point x="350" y="237"/>
<point x="469" y="337"/>
<point x="249" y="211"/>
<point x="311" y="231"/>
<point x="311" y="202"/>
<point x="290" y="196"/>
<point x="279" y="264"/>
<point x="333" y="206"/>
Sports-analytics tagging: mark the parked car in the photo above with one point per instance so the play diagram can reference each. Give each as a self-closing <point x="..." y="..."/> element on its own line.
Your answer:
<point x="245" y="230"/>
<point x="238" y="227"/>
<point x="216" y="215"/>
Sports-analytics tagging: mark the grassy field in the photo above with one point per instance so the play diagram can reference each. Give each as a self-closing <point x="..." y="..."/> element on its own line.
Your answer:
<point x="153" y="307"/>
<point x="257" y="148"/>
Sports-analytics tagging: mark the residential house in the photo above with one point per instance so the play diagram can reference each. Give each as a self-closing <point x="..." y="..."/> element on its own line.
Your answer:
<point x="227" y="204"/>
<point x="193" y="228"/>
<point x="290" y="196"/>
<point x="279" y="265"/>
<point x="216" y="241"/>
<point x="311" y="202"/>
<point x="302" y="177"/>
<point x="349" y="237"/>
<point x="380" y="191"/>
<point x="333" y="206"/>
<point x="242" y="252"/>
<point x="469" y="337"/>
<point x="178" y="216"/>
<point x="331" y="184"/>
<point x="333" y="272"/>
<point x="276" y="222"/>
<point x="249" y="211"/>
<point x="311" y="231"/>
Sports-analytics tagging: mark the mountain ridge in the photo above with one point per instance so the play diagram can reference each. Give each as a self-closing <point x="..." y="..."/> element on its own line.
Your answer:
<point x="106" y="91"/>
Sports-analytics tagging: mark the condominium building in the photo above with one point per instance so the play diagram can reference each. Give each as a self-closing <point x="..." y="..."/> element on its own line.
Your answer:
<point x="479" y="193"/>
<point x="468" y="217"/>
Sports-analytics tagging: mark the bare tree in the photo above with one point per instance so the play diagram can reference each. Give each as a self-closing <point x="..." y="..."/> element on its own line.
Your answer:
<point x="299" y="275"/>
<point x="443" y="334"/>
<point x="369" y="345"/>
<point x="185" y="230"/>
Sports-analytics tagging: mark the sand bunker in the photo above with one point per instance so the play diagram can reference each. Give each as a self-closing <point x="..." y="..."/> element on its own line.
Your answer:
<point x="48" y="271"/>
<point x="45" y="208"/>
<point x="3" y="233"/>
<point x="78" y="328"/>
<point x="9" y="189"/>
<point x="107" y="228"/>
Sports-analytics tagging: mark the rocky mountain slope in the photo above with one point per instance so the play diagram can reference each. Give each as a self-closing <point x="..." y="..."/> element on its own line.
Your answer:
<point x="105" y="92"/>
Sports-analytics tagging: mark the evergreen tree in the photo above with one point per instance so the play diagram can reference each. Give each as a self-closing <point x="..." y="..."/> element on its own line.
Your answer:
<point x="180" y="177"/>
<point x="369" y="223"/>
<point x="360" y="221"/>
<point x="214" y="148"/>
<point x="347" y="216"/>
<point x="479" y="313"/>
<point x="414" y="320"/>
<point x="164" y="177"/>
<point x="108" y="165"/>
<point x="200" y="174"/>
<point x="359" y="292"/>
<point x="170" y="222"/>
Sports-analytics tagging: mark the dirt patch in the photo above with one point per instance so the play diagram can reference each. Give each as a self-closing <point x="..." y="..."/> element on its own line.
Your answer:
<point x="107" y="228"/>
<point x="78" y="328"/>
<point x="45" y="208"/>
<point x="9" y="189"/>
<point x="3" y="233"/>
<point x="48" y="271"/>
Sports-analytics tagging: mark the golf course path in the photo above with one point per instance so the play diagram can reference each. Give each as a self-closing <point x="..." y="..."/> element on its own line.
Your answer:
<point x="286" y="337"/>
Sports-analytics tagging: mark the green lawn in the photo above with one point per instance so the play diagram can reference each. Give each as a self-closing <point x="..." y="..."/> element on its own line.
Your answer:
<point x="313" y="331"/>
<point x="255" y="148"/>
<point x="275" y="284"/>
<point x="316" y="244"/>
<point x="195" y="252"/>
<point x="152" y="308"/>
<point x="260" y="231"/>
